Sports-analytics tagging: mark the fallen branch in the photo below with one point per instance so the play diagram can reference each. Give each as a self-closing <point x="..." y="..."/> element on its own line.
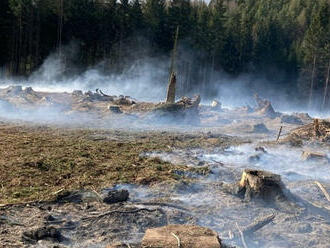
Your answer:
<point x="162" y="204"/>
<point x="279" y="134"/>
<point x="323" y="190"/>
<point x="242" y="236"/>
<point x="119" y="212"/>
<point x="57" y="192"/>
<point x="258" y="224"/>
<point x="177" y="238"/>
<point x="103" y="93"/>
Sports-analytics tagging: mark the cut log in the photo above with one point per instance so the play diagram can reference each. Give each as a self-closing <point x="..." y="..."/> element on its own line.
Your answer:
<point x="187" y="236"/>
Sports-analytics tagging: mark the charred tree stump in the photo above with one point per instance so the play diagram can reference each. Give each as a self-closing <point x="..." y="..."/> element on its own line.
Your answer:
<point x="262" y="185"/>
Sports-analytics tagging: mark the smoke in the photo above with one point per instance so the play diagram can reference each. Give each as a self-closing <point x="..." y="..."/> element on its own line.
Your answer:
<point x="280" y="160"/>
<point x="144" y="77"/>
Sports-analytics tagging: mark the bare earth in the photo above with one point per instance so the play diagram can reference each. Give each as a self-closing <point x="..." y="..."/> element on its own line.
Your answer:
<point x="55" y="174"/>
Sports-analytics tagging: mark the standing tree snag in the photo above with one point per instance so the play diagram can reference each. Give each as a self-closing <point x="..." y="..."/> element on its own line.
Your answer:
<point x="170" y="97"/>
<point x="317" y="128"/>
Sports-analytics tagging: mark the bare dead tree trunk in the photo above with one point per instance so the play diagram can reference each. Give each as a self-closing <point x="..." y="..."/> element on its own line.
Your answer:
<point x="30" y="31"/>
<point x="312" y="83"/>
<point x="326" y="87"/>
<point x="173" y="57"/>
<point x="60" y="27"/>
<point x="170" y="97"/>
<point x="20" y="34"/>
<point x="12" y="68"/>
<point x="212" y="68"/>
<point x="188" y="77"/>
<point x="36" y="61"/>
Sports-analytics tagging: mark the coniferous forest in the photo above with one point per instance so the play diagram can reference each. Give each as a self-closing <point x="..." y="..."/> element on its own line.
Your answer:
<point x="287" y="41"/>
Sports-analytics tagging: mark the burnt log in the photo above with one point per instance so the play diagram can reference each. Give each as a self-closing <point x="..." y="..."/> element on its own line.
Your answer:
<point x="115" y="196"/>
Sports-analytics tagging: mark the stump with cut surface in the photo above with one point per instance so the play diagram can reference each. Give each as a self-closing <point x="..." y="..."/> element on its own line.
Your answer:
<point x="261" y="184"/>
<point x="184" y="236"/>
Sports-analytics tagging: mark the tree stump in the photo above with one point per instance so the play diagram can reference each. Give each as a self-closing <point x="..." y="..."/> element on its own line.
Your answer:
<point x="261" y="184"/>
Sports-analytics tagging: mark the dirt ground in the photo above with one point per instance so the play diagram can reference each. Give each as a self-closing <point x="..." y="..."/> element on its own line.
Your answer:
<point x="55" y="176"/>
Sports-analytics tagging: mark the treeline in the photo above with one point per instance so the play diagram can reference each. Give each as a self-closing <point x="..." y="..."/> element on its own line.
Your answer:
<point x="287" y="41"/>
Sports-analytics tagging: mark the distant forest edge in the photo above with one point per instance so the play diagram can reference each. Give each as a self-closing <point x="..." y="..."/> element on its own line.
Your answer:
<point x="286" y="41"/>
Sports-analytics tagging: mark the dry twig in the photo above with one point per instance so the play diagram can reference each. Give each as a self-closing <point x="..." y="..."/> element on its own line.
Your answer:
<point x="58" y="191"/>
<point x="178" y="239"/>
<point x="323" y="190"/>
<point x="98" y="195"/>
<point x="279" y="134"/>
<point x="242" y="236"/>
